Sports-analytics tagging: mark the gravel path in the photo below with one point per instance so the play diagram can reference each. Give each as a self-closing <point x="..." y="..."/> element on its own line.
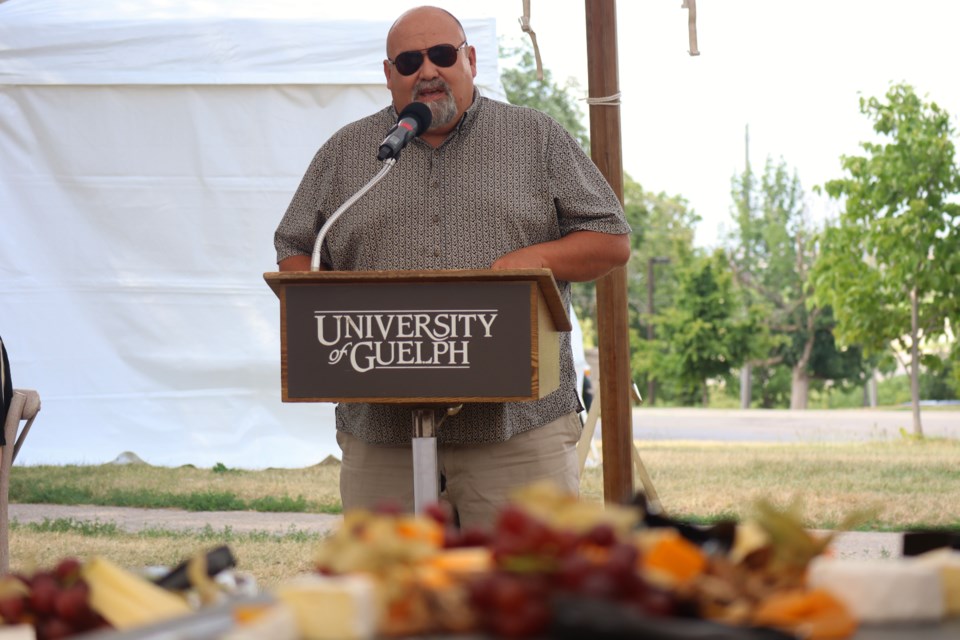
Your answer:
<point x="854" y="544"/>
<point x="134" y="519"/>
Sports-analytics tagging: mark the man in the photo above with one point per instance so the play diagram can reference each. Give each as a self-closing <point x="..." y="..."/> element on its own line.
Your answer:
<point x="489" y="185"/>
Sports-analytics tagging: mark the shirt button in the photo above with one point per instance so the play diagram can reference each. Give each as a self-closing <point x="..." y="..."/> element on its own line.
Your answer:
<point x="436" y="219"/>
<point x="436" y="253"/>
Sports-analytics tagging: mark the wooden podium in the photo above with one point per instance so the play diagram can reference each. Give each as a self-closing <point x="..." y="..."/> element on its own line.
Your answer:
<point x="424" y="339"/>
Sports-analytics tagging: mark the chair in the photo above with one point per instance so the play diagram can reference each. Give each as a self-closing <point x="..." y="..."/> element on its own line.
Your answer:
<point x="24" y="406"/>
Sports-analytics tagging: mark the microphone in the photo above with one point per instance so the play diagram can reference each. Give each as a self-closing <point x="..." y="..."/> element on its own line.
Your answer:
<point x="414" y="120"/>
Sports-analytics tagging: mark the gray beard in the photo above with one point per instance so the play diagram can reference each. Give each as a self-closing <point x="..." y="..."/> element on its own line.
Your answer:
<point x="443" y="111"/>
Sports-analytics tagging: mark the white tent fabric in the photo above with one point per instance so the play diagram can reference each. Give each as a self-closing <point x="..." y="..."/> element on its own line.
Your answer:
<point x="147" y="152"/>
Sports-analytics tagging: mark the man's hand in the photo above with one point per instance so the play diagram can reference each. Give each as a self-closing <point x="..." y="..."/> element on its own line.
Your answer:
<point x="526" y="258"/>
<point x="581" y="256"/>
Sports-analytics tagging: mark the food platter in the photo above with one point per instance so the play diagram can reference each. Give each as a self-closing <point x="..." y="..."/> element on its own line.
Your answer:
<point x="551" y="568"/>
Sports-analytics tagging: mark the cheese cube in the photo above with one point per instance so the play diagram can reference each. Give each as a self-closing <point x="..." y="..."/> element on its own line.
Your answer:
<point x="332" y="607"/>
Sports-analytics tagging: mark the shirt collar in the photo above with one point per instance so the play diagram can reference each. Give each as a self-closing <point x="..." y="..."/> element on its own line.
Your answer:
<point x="466" y="121"/>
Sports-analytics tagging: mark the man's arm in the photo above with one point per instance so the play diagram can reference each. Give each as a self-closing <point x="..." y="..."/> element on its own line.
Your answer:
<point x="297" y="263"/>
<point x="581" y="256"/>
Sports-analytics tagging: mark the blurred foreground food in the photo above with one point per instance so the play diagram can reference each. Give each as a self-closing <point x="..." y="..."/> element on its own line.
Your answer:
<point x="550" y="567"/>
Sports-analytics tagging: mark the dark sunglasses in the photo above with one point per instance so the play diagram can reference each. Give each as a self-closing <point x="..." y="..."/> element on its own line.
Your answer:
<point x="442" y="55"/>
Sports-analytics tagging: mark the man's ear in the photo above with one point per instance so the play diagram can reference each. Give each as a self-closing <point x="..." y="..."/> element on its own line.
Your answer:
<point x="472" y="57"/>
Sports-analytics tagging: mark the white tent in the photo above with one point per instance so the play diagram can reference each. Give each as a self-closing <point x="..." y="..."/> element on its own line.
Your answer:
<point x="147" y="152"/>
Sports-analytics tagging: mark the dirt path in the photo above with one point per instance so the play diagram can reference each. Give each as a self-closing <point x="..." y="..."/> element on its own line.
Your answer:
<point x="134" y="519"/>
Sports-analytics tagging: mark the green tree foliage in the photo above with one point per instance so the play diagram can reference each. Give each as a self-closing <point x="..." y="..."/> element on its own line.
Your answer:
<point x="668" y="224"/>
<point x="772" y="251"/>
<point x="702" y="336"/>
<point x="890" y="267"/>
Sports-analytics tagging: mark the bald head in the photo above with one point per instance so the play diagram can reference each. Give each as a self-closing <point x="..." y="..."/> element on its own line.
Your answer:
<point x="419" y="14"/>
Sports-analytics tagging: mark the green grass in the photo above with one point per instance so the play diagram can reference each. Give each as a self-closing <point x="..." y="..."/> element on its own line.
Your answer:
<point x="188" y="488"/>
<point x="196" y="501"/>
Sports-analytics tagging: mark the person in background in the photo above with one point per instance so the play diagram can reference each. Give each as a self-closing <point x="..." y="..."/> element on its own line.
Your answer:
<point x="488" y="186"/>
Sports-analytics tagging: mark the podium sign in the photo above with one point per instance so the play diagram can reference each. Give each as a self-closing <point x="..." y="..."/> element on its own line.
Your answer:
<point x="418" y="337"/>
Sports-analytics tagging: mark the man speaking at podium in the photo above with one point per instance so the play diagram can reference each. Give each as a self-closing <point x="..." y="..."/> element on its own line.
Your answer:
<point x="487" y="186"/>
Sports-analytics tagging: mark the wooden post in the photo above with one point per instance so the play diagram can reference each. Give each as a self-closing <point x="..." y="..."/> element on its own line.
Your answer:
<point x="615" y="378"/>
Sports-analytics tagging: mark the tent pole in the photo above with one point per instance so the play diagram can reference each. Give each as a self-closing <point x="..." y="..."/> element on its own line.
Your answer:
<point x="614" y="345"/>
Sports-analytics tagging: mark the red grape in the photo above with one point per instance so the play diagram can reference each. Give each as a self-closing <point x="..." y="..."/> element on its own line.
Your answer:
<point x="67" y="570"/>
<point x="601" y="535"/>
<point x="12" y="608"/>
<point x="43" y="593"/>
<point x="474" y="537"/>
<point x="53" y="629"/>
<point x="71" y="604"/>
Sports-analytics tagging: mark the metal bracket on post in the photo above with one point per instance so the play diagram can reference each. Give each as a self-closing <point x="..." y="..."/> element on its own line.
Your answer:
<point x="426" y="484"/>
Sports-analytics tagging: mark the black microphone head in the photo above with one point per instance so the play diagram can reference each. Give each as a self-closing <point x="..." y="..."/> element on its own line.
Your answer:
<point x="419" y="112"/>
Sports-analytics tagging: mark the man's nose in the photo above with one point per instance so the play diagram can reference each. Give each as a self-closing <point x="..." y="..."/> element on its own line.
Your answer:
<point x="428" y="70"/>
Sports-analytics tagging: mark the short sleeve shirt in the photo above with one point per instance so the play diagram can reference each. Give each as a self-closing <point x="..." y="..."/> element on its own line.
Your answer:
<point x="505" y="178"/>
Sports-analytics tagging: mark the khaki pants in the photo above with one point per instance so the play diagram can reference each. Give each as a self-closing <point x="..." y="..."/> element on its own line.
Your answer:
<point x="479" y="478"/>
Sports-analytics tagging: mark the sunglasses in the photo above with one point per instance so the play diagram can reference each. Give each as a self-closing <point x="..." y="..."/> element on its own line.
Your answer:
<point x="442" y="55"/>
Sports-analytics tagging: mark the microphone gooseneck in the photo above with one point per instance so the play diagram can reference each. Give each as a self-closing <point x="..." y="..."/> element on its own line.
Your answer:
<point x="414" y="120"/>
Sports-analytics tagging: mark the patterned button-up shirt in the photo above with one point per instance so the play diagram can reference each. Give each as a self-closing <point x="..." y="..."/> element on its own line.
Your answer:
<point x="505" y="178"/>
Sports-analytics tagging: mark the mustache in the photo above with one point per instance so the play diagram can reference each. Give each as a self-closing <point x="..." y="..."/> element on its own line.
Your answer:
<point x="437" y="84"/>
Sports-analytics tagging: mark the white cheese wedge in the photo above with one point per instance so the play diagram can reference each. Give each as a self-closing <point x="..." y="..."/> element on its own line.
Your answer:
<point x="332" y="607"/>
<point x="947" y="562"/>
<point x="900" y="590"/>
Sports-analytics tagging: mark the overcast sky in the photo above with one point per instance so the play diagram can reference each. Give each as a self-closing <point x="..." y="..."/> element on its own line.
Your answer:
<point x="793" y="70"/>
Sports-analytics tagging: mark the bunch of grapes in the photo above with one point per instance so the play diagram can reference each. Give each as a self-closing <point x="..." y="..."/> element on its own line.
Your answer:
<point x="55" y="602"/>
<point x="535" y="562"/>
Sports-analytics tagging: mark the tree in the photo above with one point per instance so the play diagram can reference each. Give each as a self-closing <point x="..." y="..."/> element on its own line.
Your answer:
<point x="658" y="257"/>
<point x="890" y="267"/>
<point x="700" y="330"/>
<point x="772" y="251"/>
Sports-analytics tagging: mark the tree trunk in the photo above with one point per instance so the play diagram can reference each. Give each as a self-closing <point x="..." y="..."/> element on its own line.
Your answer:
<point x="800" y="379"/>
<point x="799" y="388"/>
<point x="870" y="390"/>
<point x="915" y="361"/>
<point x="746" y="387"/>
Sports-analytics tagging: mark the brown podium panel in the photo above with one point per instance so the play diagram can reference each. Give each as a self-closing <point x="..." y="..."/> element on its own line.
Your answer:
<point x="418" y="336"/>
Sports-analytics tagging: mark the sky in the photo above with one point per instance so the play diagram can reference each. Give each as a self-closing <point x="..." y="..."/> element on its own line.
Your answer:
<point x="791" y="70"/>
